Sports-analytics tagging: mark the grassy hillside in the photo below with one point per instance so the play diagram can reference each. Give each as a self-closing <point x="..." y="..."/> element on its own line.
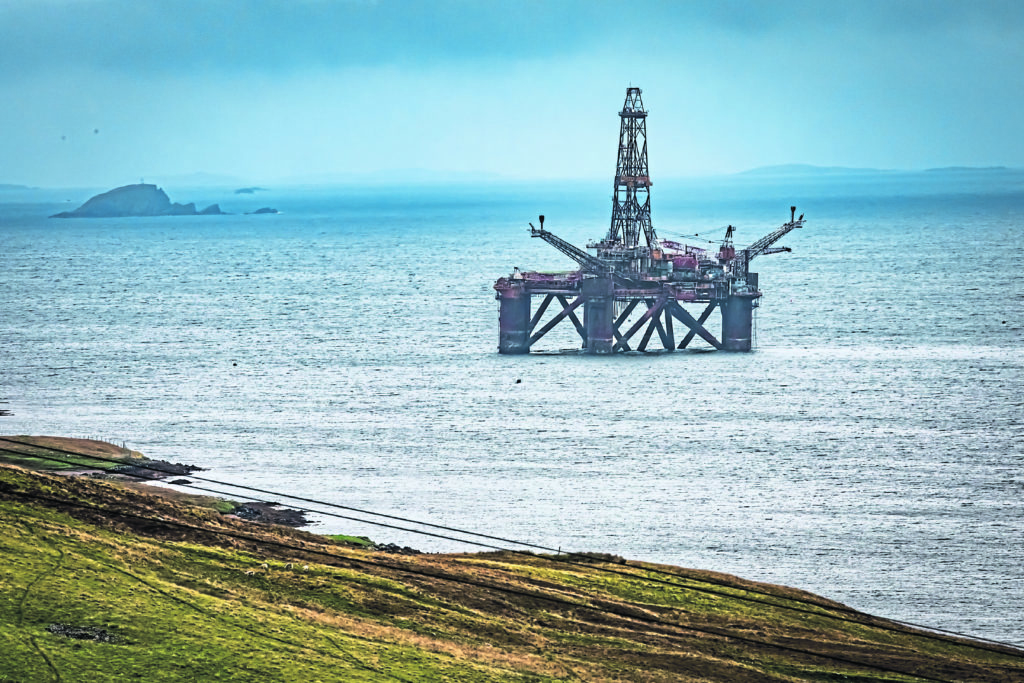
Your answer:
<point x="160" y="590"/>
<point x="114" y="455"/>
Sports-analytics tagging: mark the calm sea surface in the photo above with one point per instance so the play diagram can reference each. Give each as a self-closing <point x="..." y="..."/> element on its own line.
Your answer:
<point x="870" y="450"/>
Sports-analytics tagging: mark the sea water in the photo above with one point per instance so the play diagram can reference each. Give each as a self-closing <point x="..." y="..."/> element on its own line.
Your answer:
<point x="869" y="450"/>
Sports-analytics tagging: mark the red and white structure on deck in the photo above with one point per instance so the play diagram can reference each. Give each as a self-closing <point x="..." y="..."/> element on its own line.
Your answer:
<point x="632" y="272"/>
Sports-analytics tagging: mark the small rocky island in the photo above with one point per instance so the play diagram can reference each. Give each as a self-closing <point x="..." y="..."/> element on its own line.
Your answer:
<point x="136" y="200"/>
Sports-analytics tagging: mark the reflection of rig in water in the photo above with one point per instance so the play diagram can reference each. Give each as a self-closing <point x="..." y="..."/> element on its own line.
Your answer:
<point x="623" y="273"/>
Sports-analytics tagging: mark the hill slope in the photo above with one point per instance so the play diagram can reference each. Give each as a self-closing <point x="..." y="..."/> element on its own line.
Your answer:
<point x="157" y="590"/>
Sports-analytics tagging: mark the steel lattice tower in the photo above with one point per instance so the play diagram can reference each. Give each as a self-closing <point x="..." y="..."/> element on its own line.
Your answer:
<point x="631" y="205"/>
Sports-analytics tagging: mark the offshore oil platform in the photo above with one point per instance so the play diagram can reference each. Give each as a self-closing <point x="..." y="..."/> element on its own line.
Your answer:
<point x="632" y="270"/>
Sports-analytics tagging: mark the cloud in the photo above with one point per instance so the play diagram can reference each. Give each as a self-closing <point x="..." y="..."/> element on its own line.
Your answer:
<point x="160" y="36"/>
<point x="525" y="88"/>
<point x="226" y="35"/>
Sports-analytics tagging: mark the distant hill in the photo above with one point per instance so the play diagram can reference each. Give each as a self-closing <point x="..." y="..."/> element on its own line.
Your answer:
<point x="970" y="169"/>
<point x="808" y="170"/>
<point x="135" y="200"/>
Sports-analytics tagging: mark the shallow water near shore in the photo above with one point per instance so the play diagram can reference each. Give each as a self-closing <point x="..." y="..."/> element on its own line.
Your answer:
<point x="869" y="450"/>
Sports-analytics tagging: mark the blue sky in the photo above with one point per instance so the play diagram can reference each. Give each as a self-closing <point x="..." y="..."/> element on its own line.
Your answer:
<point x="104" y="92"/>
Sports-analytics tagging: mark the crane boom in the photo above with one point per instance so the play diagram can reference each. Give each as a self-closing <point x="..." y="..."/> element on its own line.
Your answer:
<point x="591" y="264"/>
<point x="740" y="263"/>
<point x="762" y="245"/>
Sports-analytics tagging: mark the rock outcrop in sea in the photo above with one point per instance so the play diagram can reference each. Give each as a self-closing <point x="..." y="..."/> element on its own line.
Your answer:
<point x="135" y="200"/>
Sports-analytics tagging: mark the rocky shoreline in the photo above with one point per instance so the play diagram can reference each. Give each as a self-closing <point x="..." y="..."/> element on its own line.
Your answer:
<point x="71" y="458"/>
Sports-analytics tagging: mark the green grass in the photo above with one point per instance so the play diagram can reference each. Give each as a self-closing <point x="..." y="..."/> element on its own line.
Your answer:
<point x="194" y="606"/>
<point x="224" y="506"/>
<point x="38" y="457"/>
<point x="357" y="541"/>
<point x="57" y="462"/>
<point x="180" y="614"/>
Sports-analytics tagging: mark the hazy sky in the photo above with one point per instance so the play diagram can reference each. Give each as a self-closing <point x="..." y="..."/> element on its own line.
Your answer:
<point x="104" y="92"/>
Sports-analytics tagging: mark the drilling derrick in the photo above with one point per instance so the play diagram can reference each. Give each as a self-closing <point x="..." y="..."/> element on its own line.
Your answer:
<point x="631" y="201"/>
<point x="629" y="284"/>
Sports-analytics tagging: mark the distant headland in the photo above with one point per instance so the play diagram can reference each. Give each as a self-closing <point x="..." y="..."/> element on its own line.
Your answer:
<point x="135" y="200"/>
<point x="809" y="170"/>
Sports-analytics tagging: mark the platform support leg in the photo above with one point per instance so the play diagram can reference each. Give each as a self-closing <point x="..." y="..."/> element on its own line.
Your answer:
<point x="599" y="314"/>
<point x="514" y="321"/>
<point x="670" y="334"/>
<point x="737" y="322"/>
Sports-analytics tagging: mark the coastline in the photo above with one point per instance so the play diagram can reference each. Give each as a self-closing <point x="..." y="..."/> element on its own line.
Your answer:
<point x="60" y="456"/>
<point x="113" y="563"/>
